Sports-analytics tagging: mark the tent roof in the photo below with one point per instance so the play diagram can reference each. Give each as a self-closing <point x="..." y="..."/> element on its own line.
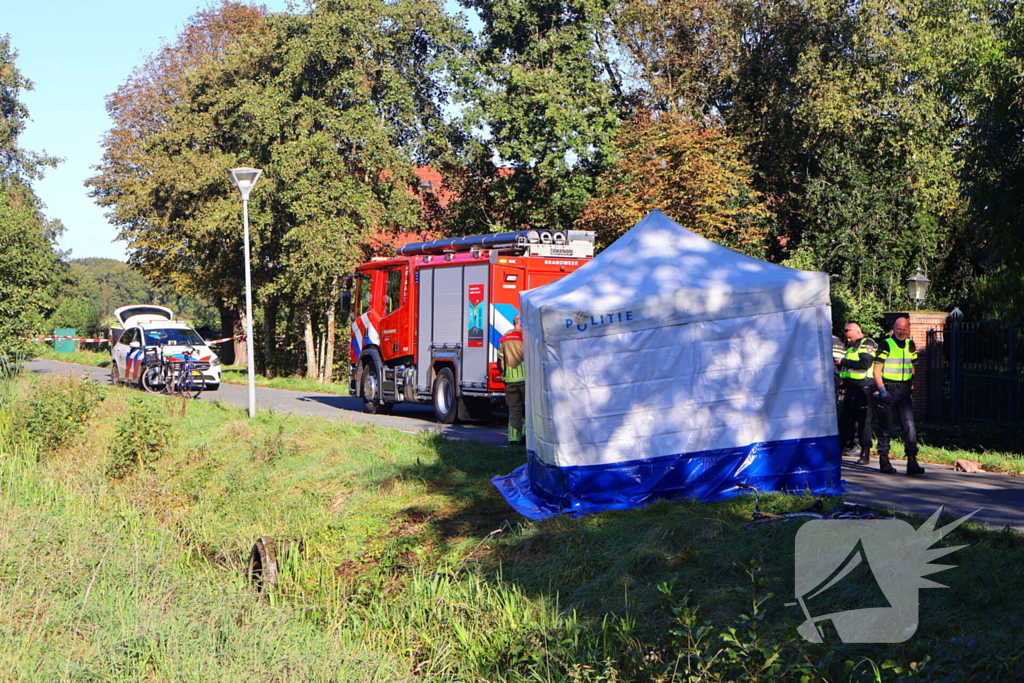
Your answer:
<point x="659" y="273"/>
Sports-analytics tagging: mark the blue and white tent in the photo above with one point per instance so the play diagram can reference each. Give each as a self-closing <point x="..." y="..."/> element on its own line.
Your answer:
<point x="673" y="366"/>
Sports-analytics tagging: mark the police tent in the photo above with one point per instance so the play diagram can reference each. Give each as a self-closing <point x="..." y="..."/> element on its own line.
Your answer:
<point x="671" y="366"/>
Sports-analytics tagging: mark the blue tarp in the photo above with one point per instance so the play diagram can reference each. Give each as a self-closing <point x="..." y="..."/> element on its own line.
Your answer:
<point x="538" y="490"/>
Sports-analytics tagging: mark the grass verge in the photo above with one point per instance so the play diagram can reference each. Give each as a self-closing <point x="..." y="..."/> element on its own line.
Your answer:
<point x="124" y="548"/>
<point x="97" y="359"/>
<point x="236" y="375"/>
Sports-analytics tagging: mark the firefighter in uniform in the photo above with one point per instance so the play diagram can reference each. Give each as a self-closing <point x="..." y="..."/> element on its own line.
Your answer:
<point x="855" y="414"/>
<point x="894" y="376"/>
<point x="513" y="372"/>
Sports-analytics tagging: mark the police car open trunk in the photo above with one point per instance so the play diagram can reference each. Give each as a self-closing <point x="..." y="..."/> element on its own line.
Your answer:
<point x="673" y="366"/>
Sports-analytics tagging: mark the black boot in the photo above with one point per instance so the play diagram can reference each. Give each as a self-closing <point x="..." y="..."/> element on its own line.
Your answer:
<point x="884" y="466"/>
<point x="913" y="469"/>
<point x="865" y="458"/>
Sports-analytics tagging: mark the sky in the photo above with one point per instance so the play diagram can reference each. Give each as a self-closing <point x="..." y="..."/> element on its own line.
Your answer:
<point x="76" y="53"/>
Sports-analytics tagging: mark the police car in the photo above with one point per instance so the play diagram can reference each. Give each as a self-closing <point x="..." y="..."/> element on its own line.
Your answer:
<point x="153" y="328"/>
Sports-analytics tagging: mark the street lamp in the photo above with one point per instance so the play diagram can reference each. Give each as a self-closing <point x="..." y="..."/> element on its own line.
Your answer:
<point x="917" y="288"/>
<point x="244" y="179"/>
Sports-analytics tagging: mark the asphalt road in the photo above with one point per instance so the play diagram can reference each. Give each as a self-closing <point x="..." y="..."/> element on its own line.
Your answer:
<point x="410" y="418"/>
<point x="1000" y="498"/>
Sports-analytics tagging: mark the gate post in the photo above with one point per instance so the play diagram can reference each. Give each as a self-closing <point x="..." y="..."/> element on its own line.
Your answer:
<point x="954" y="375"/>
<point x="921" y="322"/>
<point x="1012" y="412"/>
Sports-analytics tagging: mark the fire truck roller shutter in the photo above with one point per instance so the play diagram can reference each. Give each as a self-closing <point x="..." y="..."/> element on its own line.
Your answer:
<point x="426" y="329"/>
<point x="476" y="300"/>
<point x="371" y="374"/>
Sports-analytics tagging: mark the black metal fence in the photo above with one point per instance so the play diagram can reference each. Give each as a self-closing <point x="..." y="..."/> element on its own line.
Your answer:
<point x="974" y="372"/>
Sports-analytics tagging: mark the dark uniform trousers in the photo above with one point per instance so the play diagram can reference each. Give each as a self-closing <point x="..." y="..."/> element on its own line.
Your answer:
<point x="854" y="414"/>
<point x="902" y="407"/>
<point x="515" y="399"/>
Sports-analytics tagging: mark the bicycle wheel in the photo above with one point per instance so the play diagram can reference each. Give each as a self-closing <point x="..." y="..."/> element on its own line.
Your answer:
<point x="153" y="380"/>
<point x="190" y="383"/>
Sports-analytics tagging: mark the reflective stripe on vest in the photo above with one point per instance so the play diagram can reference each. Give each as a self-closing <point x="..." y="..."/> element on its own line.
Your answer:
<point x="853" y="353"/>
<point x="899" y="364"/>
<point x="838" y="349"/>
<point x="513" y="375"/>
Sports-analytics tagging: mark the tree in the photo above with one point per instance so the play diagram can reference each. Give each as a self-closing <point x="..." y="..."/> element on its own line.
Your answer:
<point x="205" y="265"/>
<point x="852" y="113"/>
<point x="682" y="54"/>
<point x="544" y="102"/>
<point x="994" y="170"/>
<point x="29" y="262"/>
<point x="692" y="172"/>
<point x="107" y="284"/>
<point x="335" y="107"/>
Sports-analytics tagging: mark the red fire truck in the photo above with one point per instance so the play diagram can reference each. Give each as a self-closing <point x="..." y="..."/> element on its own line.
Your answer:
<point x="426" y="323"/>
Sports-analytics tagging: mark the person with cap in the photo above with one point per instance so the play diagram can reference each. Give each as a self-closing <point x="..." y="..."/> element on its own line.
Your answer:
<point x="513" y="373"/>
<point x="894" y="377"/>
<point x="854" y="414"/>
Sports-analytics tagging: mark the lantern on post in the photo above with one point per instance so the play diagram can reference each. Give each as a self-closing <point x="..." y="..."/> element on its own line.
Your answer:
<point x="917" y="288"/>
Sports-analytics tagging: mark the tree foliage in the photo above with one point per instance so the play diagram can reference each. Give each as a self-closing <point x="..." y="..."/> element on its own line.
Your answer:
<point x="95" y="287"/>
<point x="544" y="99"/>
<point x="693" y="173"/>
<point x="862" y="138"/>
<point x="994" y="171"/>
<point x="335" y="106"/>
<point x="29" y="262"/>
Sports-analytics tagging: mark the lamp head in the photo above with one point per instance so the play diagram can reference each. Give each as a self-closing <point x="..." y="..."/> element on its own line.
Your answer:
<point x="917" y="287"/>
<point x="244" y="179"/>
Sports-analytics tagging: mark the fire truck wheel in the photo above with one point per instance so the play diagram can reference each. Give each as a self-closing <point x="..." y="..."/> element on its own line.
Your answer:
<point x="369" y="391"/>
<point x="446" y="404"/>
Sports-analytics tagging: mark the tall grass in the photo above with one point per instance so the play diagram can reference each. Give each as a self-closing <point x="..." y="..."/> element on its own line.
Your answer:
<point x="404" y="564"/>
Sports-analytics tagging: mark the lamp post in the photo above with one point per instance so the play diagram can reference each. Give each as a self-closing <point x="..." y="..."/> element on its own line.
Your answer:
<point x="244" y="179"/>
<point x="917" y="288"/>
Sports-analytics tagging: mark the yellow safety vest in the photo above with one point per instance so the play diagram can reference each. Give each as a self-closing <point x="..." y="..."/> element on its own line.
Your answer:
<point x="899" y="364"/>
<point x="853" y="353"/>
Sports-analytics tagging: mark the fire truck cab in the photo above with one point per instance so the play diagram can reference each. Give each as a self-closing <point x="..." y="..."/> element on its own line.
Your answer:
<point x="427" y="322"/>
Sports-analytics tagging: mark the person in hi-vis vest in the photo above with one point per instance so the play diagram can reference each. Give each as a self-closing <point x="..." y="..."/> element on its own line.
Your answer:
<point x="513" y="372"/>
<point x="894" y="377"/>
<point x="855" y="413"/>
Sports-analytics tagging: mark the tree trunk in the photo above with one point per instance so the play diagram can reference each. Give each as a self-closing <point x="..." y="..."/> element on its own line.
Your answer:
<point x="327" y="367"/>
<point x="307" y="334"/>
<point x="228" y="324"/>
<point x="321" y="348"/>
<point x="269" y="335"/>
<point x="241" y="342"/>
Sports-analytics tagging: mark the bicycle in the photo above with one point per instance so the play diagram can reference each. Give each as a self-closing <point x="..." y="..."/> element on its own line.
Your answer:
<point x="176" y="374"/>
<point x="187" y="378"/>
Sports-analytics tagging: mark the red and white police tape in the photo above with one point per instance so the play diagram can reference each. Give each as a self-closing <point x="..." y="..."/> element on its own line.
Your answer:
<point x="102" y="340"/>
<point x="65" y="338"/>
<point x="221" y="341"/>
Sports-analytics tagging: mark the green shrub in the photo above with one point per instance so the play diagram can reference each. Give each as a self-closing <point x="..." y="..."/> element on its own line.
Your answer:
<point x="59" y="409"/>
<point x="139" y="439"/>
